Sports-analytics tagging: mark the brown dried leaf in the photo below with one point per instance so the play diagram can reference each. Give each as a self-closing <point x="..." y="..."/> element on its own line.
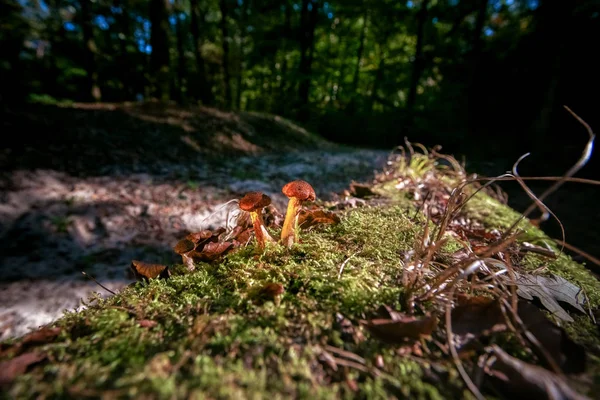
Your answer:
<point x="308" y="218"/>
<point x="183" y="246"/>
<point x="272" y="217"/>
<point x="477" y="316"/>
<point x="519" y="380"/>
<point x="197" y="237"/>
<point x="550" y="290"/>
<point x="211" y="251"/>
<point x="241" y="235"/>
<point x="407" y="327"/>
<point x="144" y="271"/>
<point x="11" y="369"/>
<point x="41" y="336"/>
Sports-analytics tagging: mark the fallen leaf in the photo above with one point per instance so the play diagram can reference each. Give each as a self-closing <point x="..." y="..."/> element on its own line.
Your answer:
<point x="144" y="271"/>
<point x="184" y="246"/>
<point x="211" y="251"/>
<point x="519" y="380"/>
<point x="11" y="369"/>
<point x="308" y="218"/>
<point x="406" y="327"/>
<point x="272" y="217"/>
<point x="196" y="237"/>
<point x="41" y="336"/>
<point x="550" y="290"/>
<point x="241" y="235"/>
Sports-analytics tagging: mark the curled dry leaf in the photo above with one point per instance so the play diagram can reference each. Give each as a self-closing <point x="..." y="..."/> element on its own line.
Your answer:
<point x="401" y="327"/>
<point x="550" y="290"/>
<point x="519" y="380"/>
<point x="145" y="271"/>
<point x="11" y="369"/>
<point x="272" y="217"/>
<point x="309" y="218"/>
<point x="197" y="237"/>
<point x="211" y="251"/>
<point x="184" y="246"/>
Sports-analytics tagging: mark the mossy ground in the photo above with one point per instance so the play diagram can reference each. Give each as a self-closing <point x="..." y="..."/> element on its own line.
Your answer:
<point x="214" y="333"/>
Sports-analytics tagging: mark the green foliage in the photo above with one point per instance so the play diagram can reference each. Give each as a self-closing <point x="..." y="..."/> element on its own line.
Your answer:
<point x="359" y="89"/>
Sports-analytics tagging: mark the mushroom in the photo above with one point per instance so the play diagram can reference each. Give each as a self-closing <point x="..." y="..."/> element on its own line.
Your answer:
<point x="254" y="202"/>
<point x="297" y="191"/>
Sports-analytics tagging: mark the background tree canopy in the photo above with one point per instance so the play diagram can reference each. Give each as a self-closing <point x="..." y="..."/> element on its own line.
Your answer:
<point x="368" y="72"/>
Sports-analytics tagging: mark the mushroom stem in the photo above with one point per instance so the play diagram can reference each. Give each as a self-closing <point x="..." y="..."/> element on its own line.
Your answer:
<point x="288" y="232"/>
<point x="262" y="236"/>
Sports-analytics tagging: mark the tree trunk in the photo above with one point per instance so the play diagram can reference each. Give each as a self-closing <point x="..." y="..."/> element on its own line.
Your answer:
<point x="204" y="89"/>
<point x="280" y="107"/>
<point x="419" y="63"/>
<point x="125" y="68"/>
<point x="159" y="40"/>
<point x="225" y="42"/>
<point x="181" y="70"/>
<point x="308" y="23"/>
<point x="242" y="30"/>
<point x="90" y="51"/>
<point x="359" y="54"/>
<point x="474" y="64"/>
<point x="378" y="79"/>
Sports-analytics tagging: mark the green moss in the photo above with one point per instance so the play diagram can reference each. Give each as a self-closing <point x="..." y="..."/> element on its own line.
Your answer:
<point x="209" y="337"/>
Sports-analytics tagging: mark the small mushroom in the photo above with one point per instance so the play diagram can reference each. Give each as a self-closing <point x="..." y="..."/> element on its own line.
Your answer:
<point x="254" y="202"/>
<point x="298" y="192"/>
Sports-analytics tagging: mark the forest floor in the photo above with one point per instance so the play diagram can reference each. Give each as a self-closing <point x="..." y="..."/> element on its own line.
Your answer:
<point x="88" y="188"/>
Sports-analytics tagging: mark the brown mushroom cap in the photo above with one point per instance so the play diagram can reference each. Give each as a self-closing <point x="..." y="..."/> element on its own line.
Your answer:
<point x="300" y="190"/>
<point x="253" y="201"/>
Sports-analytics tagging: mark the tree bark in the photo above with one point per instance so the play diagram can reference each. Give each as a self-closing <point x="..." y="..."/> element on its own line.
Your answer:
<point x="280" y="107"/>
<point x="308" y="23"/>
<point x="159" y="40"/>
<point x="90" y="51"/>
<point x="204" y="89"/>
<point x="225" y="43"/>
<point x="242" y="30"/>
<point x="419" y="62"/>
<point x="378" y="78"/>
<point x="181" y="70"/>
<point x="474" y="61"/>
<point x="359" y="54"/>
<point x="125" y="67"/>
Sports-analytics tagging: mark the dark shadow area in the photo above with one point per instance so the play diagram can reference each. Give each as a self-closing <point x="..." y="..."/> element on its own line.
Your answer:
<point x="98" y="139"/>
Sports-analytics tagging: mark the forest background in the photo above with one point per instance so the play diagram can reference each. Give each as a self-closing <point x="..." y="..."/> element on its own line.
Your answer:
<point x="484" y="78"/>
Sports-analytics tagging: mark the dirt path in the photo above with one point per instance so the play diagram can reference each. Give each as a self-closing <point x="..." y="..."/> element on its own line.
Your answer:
<point x="55" y="225"/>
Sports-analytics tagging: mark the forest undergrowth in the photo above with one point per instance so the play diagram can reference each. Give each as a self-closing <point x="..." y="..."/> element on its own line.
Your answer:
<point x="420" y="284"/>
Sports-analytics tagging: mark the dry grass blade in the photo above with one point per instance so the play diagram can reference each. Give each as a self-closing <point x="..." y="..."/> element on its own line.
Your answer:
<point x="459" y="366"/>
<point x="582" y="253"/>
<point x="585" y="156"/>
<point x="537" y="202"/>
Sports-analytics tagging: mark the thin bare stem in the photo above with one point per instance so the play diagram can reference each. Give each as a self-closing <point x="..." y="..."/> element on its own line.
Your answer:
<point x="98" y="283"/>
